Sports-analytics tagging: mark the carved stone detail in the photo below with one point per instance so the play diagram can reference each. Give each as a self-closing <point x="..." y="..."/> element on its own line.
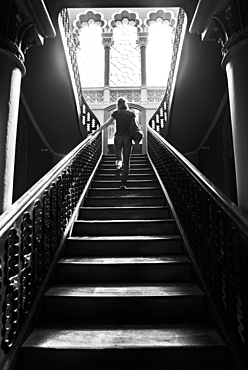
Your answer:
<point x="107" y="40"/>
<point x="18" y="29"/>
<point x="142" y="39"/>
<point x="230" y="26"/>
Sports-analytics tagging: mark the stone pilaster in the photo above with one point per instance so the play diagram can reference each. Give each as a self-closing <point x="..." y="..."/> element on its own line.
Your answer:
<point x="22" y="25"/>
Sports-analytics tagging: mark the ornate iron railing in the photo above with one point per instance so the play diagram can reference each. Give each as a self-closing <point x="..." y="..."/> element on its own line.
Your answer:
<point x="160" y="119"/>
<point x="217" y="233"/>
<point x="88" y="120"/>
<point x="31" y="232"/>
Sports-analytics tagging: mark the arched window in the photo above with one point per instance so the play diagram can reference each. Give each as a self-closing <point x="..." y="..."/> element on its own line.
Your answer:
<point x="90" y="54"/>
<point x="125" y="55"/>
<point x="159" y="48"/>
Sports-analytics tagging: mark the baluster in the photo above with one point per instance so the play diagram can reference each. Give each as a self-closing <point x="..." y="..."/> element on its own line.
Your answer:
<point x="54" y="217"/>
<point x="26" y="263"/>
<point x="10" y="308"/>
<point x="38" y="244"/>
<point x="47" y="229"/>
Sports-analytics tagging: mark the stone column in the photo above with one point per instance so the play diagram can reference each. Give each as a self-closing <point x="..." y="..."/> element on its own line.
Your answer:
<point x="231" y="30"/>
<point x="227" y="23"/>
<point x="235" y="63"/>
<point x="17" y="34"/>
<point x="143" y="41"/>
<point x="107" y="41"/>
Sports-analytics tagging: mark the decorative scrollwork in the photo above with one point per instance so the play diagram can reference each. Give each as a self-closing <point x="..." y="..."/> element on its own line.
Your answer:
<point x="26" y="263"/>
<point x="38" y="272"/>
<point x="10" y="312"/>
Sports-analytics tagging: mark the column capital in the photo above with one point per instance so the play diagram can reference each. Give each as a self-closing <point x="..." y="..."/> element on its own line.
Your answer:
<point x="142" y="39"/>
<point x="225" y="22"/>
<point x="107" y="39"/>
<point x="23" y="23"/>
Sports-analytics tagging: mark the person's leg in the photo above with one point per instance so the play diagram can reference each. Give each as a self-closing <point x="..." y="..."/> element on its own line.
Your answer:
<point x="118" y="152"/>
<point x="127" y="147"/>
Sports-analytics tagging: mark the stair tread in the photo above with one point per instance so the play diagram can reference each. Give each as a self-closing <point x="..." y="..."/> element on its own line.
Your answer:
<point x="121" y="195"/>
<point x="176" y="259"/>
<point x="123" y="237"/>
<point x="149" y="337"/>
<point x="155" y="290"/>
<point x="135" y="208"/>
<point x="126" y="221"/>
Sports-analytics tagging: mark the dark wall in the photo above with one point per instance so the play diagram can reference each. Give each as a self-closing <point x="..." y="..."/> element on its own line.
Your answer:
<point x="33" y="159"/>
<point x="216" y="158"/>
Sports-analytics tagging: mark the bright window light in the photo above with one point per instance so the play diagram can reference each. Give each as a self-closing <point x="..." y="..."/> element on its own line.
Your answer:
<point x="159" y="54"/>
<point x="90" y="55"/>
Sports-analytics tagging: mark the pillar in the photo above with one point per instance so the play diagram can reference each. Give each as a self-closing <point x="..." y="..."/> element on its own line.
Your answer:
<point x="18" y="32"/>
<point x="228" y="24"/>
<point x="107" y="41"/>
<point x="235" y="63"/>
<point x="11" y="71"/>
<point x="143" y="41"/>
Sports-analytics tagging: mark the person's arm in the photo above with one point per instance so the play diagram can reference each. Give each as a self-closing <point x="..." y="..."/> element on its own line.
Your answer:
<point x="106" y="124"/>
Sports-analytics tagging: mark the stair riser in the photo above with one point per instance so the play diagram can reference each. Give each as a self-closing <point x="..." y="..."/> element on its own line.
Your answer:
<point x="120" y="310"/>
<point x="124" y="202"/>
<point x="123" y="214"/>
<point x="82" y="228"/>
<point x="197" y="358"/>
<point x="139" y="158"/>
<point x="133" y="166"/>
<point x="131" y="177"/>
<point x="136" y="192"/>
<point x="123" y="248"/>
<point x="137" y="171"/>
<point x="131" y="184"/>
<point x="85" y="273"/>
<point x="132" y="162"/>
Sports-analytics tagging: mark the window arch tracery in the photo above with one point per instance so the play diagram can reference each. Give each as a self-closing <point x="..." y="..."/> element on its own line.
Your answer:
<point x="124" y="28"/>
<point x="125" y="69"/>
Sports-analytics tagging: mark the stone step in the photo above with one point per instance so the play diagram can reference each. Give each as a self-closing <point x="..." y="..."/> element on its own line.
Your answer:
<point x="133" y="165"/>
<point x="115" y="270"/>
<point x="123" y="213"/>
<point x="133" y="158"/>
<point x="171" y="347"/>
<point x="123" y="227"/>
<point x="122" y="303"/>
<point x="133" y="171"/>
<point x="114" y="183"/>
<point x="128" y="193"/>
<point x="129" y="246"/>
<point x="111" y="201"/>
<point x="138" y="176"/>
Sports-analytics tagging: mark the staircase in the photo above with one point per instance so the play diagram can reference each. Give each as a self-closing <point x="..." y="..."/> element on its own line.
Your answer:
<point x="123" y="297"/>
